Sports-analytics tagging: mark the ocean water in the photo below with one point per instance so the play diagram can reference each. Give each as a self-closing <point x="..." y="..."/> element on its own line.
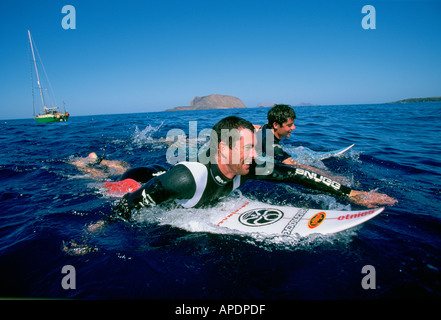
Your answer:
<point x="52" y="215"/>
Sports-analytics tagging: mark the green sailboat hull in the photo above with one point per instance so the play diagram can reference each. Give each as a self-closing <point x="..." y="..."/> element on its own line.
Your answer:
<point x="47" y="118"/>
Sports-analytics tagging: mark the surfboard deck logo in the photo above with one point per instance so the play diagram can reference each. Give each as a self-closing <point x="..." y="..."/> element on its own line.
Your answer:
<point x="268" y="219"/>
<point x="316" y="220"/>
<point x="260" y="217"/>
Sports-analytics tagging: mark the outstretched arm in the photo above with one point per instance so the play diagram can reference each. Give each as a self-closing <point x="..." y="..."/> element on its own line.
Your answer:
<point x="290" y="161"/>
<point x="316" y="181"/>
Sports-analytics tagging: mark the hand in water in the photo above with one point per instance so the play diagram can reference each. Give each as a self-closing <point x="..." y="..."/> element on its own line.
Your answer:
<point x="122" y="209"/>
<point x="371" y="199"/>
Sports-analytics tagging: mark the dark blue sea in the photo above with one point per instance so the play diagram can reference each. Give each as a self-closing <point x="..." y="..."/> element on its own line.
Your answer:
<point x="51" y="214"/>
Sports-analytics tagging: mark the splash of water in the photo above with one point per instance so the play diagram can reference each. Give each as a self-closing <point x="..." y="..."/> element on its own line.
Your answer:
<point x="306" y="156"/>
<point x="145" y="136"/>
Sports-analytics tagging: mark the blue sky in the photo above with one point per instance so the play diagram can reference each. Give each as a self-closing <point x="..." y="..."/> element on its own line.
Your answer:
<point x="142" y="56"/>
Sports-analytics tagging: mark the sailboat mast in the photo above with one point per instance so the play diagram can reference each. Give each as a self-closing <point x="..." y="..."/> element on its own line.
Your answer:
<point x="36" y="70"/>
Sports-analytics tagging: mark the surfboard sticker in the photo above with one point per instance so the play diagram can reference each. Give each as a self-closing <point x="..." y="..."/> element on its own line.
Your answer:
<point x="281" y="220"/>
<point x="260" y="217"/>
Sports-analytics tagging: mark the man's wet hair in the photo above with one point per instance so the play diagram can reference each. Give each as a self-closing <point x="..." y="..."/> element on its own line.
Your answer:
<point x="280" y="113"/>
<point x="229" y="125"/>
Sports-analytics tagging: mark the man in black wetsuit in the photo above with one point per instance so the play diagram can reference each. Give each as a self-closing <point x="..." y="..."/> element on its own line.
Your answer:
<point x="280" y="124"/>
<point x="230" y="161"/>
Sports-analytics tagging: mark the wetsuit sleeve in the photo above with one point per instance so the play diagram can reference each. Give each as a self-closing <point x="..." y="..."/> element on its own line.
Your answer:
<point x="276" y="149"/>
<point x="279" y="154"/>
<point x="176" y="183"/>
<point x="143" y="174"/>
<point x="307" y="178"/>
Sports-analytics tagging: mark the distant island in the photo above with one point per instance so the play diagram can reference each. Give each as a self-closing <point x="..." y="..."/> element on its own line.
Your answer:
<point x="220" y="101"/>
<point x="430" y="99"/>
<point x="271" y="104"/>
<point x="213" y="101"/>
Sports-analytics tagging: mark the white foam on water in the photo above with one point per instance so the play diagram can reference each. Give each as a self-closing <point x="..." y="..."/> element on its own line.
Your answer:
<point x="305" y="156"/>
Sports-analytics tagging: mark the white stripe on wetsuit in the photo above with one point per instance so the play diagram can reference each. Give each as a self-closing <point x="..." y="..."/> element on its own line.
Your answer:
<point x="200" y="174"/>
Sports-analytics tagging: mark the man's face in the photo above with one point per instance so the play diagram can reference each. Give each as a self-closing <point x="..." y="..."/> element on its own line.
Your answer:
<point x="242" y="153"/>
<point x="284" y="130"/>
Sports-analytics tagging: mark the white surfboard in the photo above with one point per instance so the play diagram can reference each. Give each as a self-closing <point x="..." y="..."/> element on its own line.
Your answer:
<point x="329" y="154"/>
<point x="268" y="219"/>
<point x="305" y="155"/>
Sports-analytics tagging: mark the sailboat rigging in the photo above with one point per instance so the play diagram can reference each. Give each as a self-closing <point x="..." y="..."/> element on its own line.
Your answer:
<point x="49" y="114"/>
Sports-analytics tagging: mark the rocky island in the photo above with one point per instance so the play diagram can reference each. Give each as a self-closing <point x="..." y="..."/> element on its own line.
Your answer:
<point x="429" y="99"/>
<point x="213" y="101"/>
